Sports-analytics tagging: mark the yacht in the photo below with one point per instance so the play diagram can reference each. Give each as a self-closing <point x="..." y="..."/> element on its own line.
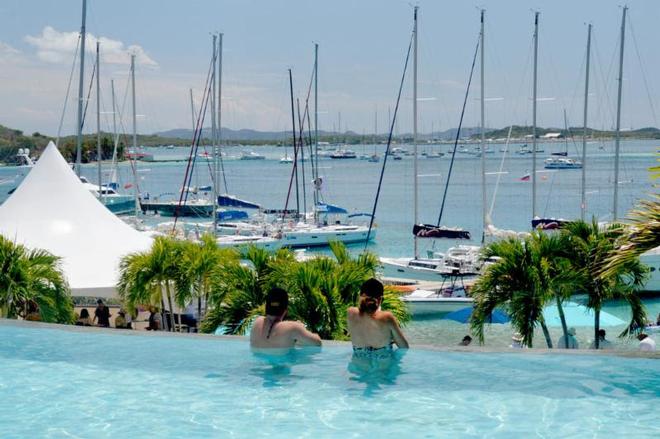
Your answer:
<point x="251" y="155"/>
<point x="343" y="154"/>
<point x="115" y="202"/>
<point x="459" y="261"/>
<point x="23" y="158"/>
<point x="427" y="303"/>
<point x="559" y="162"/>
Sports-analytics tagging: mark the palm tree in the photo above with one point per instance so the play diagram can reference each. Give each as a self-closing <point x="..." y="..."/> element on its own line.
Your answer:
<point x="33" y="277"/>
<point x="145" y="276"/>
<point x="320" y="290"/>
<point x="526" y="277"/>
<point x="200" y="270"/>
<point x="641" y="235"/>
<point x="589" y="247"/>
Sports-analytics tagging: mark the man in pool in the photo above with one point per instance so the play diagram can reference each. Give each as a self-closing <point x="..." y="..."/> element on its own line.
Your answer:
<point x="372" y="330"/>
<point x="273" y="332"/>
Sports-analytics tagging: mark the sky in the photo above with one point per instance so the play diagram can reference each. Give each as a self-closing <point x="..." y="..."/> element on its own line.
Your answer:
<point x="362" y="47"/>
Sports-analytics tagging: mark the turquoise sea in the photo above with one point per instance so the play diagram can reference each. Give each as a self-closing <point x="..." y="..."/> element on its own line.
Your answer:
<point x="352" y="184"/>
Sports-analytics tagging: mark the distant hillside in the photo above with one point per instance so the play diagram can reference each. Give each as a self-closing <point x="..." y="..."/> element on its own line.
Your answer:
<point x="11" y="140"/>
<point x="518" y="131"/>
<point x="254" y="136"/>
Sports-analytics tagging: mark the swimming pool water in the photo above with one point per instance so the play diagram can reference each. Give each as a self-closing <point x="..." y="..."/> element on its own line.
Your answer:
<point x="62" y="383"/>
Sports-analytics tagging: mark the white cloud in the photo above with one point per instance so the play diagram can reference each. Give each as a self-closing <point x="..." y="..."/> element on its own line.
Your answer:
<point x="8" y="53"/>
<point x="56" y="47"/>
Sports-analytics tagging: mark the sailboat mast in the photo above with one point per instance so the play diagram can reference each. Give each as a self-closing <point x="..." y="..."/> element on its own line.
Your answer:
<point x="375" y="130"/>
<point x="80" y="89"/>
<point x="219" y="113"/>
<point x="316" y="125"/>
<point x="98" y="123"/>
<point x="536" y="49"/>
<point x="617" y="142"/>
<point x="135" y="179"/>
<point x="565" y="129"/>
<point x="583" y="186"/>
<point x="192" y="109"/>
<point x="416" y="200"/>
<point x="113" y="174"/>
<point x="214" y="132"/>
<point x="483" y="135"/>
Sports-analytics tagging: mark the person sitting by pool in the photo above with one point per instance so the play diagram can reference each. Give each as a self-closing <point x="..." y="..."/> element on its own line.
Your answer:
<point x="568" y="342"/>
<point x="602" y="342"/>
<point x="517" y="341"/>
<point x="273" y="332"/>
<point x="84" y="319"/>
<point x="466" y="341"/>
<point x="102" y="314"/>
<point x="155" y="320"/>
<point x="372" y="330"/>
<point x="646" y="343"/>
<point x="120" y="320"/>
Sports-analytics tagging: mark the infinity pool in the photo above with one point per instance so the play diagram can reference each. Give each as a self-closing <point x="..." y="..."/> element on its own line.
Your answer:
<point x="67" y="383"/>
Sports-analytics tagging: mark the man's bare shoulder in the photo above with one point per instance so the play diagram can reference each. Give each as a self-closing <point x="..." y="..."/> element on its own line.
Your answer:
<point x="353" y="311"/>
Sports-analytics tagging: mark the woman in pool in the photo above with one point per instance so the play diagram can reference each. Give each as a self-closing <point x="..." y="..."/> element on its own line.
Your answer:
<point x="272" y="332"/>
<point x="372" y="330"/>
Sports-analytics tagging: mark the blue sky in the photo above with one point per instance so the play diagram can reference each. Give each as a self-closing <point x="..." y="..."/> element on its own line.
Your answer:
<point x="362" y="48"/>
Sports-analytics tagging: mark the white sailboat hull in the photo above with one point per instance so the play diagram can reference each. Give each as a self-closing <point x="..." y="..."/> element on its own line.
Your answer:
<point x="401" y="268"/>
<point x="426" y="307"/>
<point x="652" y="260"/>
<point x="323" y="235"/>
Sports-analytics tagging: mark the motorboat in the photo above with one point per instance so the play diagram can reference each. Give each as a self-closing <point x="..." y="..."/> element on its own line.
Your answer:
<point x="458" y="262"/>
<point x="343" y="154"/>
<point x="427" y="303"/>
<point x="251" y="155"/>
<point x="559" y="162"/>
<point x="23" y="158"/>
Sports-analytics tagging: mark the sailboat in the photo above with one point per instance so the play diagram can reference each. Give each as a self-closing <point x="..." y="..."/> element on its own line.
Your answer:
<point x="459" y="260"/>
<point x="560" y="160"/>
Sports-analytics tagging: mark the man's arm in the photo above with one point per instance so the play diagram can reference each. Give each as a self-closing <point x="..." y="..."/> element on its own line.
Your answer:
<point x="397" y="335"/>
<point x="305" y="337"/>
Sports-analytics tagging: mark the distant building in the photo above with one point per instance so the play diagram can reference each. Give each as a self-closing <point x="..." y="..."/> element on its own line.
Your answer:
<point x="552" y="136"/>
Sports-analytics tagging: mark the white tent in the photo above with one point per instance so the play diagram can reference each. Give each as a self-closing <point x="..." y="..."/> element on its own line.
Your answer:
<point x="52" y="210"/>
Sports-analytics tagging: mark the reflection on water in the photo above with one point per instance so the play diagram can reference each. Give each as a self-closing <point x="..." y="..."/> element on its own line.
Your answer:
<point x="275" y="366"/>
<point x="376" y="371"/>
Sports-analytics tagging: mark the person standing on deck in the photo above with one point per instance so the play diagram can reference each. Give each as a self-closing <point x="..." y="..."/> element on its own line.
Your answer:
<point x="568" y="341"/>
<point x="102" y="314"/>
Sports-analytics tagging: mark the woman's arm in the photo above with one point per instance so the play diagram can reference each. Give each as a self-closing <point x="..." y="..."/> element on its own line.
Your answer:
<point x="305" y="337"/>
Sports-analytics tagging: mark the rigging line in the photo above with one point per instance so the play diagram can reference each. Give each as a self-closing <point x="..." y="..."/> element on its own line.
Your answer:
<point x="641" y="67"/>
<point x="68" y="90"/>
<point x="499" y="175"/>
<point x="605" y="78"/>
<point x="302" y="156"/>
<point x="458" y="133"/>
<point x="183" y="197"/>
<point x="389" y="143"/>
<point x="200" y="133"/>
<point x="295" y="148"/>
<point x="89" y="94"/>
